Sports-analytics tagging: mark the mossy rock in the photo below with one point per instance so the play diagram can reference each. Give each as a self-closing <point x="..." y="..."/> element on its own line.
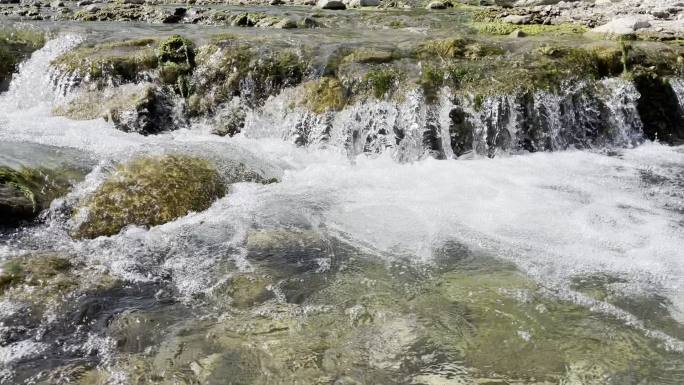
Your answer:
<point x="383" y="80"/>
<point x="502" y="28"/>
<point x="123" y="61"/>
<point x="371" y="56"/>
<point x="25" y="192"/>
<point x="236" y="69"/>
<point x="454" y="48"/>
<point x="148" y="191"/>
<point x="15" y="46"/>
<point x="143" y="108"/>
<point x="325" y="94"/>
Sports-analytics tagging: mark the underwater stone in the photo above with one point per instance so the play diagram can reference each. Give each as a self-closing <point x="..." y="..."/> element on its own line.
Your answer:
<point x="148" y="191"/>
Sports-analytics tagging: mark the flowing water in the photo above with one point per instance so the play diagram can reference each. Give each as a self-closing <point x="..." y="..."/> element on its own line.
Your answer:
<point x="376" y="263"/>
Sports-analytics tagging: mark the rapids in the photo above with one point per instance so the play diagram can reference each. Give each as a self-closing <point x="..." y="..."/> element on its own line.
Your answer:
<point x="558" y="217"/>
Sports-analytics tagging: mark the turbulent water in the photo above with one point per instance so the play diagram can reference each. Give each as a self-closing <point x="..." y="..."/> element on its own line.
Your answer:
<point x="611" y="211"/>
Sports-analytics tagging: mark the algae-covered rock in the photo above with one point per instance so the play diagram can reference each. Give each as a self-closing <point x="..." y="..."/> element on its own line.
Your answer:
<point x="176" y="56"/>
<point x="121" y="61"/>
<point x="143" y="108"/>
<point x="26" y="191"/>
<point x="233" y="69"/>
<point x="146" y="192"/>
<point x="15" y="46"/>
<point x="383" y="81"/>
<point x="325" y="94"/>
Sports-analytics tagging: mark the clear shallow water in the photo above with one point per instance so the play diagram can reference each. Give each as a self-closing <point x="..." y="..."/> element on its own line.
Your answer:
<point x="372" y="239"/>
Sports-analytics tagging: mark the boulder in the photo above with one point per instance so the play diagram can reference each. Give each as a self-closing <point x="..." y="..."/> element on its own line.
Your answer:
<point x="27" y="190"/>
<point x="517" y="34"/>
<point x="623" y="26"/>
<point x="331" y="4"/>
<point x="286" y="23"/>
<point x="147" y="191"/>
<point x="142" y="108"/>
<point x="363" y="3"/>
<point x="436" y="5"/>
<point x="517" y="19"/>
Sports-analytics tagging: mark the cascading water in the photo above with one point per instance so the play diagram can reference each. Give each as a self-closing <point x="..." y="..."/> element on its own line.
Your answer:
<point x="612" y="211"/>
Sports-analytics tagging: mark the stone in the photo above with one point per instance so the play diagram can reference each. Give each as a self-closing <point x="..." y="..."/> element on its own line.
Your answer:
<point x="517" y="19"/>
<point x="147" y="191"/>
<point x="436" y="5"/>
<point x="331" y="4"/>
<point x="57" y="4"/>
<point x="363" y="3"/>
<point x="83" y="3"/>
<point x="92" y="8"/>
<point x="623" y="26"/>
<point x="286" y="23"/>
<point x="517" y="34"/>
<point x="276" y="2"/>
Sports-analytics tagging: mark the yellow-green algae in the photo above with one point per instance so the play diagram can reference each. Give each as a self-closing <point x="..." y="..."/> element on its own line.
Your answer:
<point x="148" y="191"/>
<point x="502" y="28"/>
<point x="125" y="60"/>
<point x="15" y="46"/>
<point x="324" y="94"/>
<point x="36" y="187"/>
<point x="383" y="80"/>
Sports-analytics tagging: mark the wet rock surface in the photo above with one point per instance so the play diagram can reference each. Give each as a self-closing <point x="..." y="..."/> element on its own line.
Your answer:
<point x="211" y="240"/>
<point x="146" y="192"/>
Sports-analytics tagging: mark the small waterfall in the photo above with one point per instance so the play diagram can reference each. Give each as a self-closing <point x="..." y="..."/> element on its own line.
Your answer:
<point x="580" y="115"/>
<point x="38" y="82"/>
<point x="621" y="97"/>
<point x="678" y="88"/>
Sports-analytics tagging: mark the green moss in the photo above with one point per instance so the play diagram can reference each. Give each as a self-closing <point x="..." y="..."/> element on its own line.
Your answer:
<point x="382" y="81"/>
<point x="220" y="38"/>
<point x="27" y="191"/>
<point x="431" y="80"/>
<point x="226" y="69"/>
<point x="325" y="94"/>
<point x="147" y="192"/>
<point x="501" y="28"/>
<point x="15" y="46"/>
<point x="124" y="60"/>
<point x="371" y="56"/>
<point x="176" y="49"/>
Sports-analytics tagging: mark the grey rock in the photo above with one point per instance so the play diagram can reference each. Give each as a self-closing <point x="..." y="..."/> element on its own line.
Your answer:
<point x="286" y="23"/>
<point x="436" y="5"/>
<point x="517" y="19"/>
<point x="363" y="3"/>
<point x="517" y="34"/>
<point x="331" y="4"/>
